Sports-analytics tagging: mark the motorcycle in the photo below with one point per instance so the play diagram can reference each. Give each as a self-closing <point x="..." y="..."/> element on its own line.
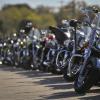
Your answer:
<point x="57" y="64"/>
<point x="89" y="73"/>
<point x="75" y="54"/>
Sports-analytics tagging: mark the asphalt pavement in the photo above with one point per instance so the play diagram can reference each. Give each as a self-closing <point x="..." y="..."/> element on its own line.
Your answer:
<point x="19" y="84"/>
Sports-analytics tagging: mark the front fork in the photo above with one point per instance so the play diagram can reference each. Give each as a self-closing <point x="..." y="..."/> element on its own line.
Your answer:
<point x="87" y="54"/>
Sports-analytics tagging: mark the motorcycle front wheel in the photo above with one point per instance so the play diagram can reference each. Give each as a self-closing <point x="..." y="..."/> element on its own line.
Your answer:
<point x="84" y="82"/>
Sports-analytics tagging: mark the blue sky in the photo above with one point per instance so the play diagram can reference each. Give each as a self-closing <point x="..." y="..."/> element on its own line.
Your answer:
<point x="35" y="3"/>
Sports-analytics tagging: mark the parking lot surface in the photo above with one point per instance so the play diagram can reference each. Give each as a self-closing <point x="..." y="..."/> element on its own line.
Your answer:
<point x="19" y="84"/>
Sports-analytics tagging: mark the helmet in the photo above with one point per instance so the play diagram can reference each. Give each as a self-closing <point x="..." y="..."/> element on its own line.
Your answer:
<point x="29" y="24"/>
<point x="73" y="23"/>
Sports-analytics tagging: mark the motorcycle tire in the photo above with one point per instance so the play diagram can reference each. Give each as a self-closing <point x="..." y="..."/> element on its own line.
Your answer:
<point x="66" y="77"/>
<point x="89" y="80"/>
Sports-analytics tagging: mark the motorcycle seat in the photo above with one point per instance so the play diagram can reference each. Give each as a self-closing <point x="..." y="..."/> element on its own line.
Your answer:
<point x="59" y="34"/>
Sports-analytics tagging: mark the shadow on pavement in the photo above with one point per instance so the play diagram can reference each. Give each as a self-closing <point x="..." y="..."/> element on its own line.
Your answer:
<point x="55" y="82"/>
<point x="72" y="94"/>
<point x="94" y="91"/>
<point x="97" y="97"/>
<point x="62" y="95"/>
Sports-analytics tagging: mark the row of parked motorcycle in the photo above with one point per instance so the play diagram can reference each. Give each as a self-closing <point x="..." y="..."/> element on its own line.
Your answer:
<point x="72" y="50"/>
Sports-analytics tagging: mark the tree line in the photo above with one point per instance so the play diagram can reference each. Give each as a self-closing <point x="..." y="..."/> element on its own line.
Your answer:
<point x="42" y="17"/>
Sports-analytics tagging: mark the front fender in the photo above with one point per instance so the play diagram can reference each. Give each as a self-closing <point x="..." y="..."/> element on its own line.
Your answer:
<point x="76" y="58"/>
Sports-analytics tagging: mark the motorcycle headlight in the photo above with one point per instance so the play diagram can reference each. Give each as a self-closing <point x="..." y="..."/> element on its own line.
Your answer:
<point x="14" y="34"/>
<point x="21" y="43"/>
<point x="17" y="43"/>
<point x="12" y="41"/>
<point x="19" y="40"/>
<point x="0" y="62"/>
<point x="24" y="40"/>
<point x="37" y="46"/>
<point x="34" y="37"/>
<point x="5" y="44"/>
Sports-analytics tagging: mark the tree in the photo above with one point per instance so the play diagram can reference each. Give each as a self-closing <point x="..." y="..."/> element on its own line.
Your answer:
<point x="11" y="16"/>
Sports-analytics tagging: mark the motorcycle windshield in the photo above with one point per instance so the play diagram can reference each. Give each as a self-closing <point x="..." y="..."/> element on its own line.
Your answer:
<point x="87" y="32"/>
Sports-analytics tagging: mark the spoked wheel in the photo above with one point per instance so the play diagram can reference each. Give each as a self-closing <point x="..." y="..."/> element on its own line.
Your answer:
<point x="86" y="80"/>
<point x="73" y="68"/>
<point x="61" y="60"/>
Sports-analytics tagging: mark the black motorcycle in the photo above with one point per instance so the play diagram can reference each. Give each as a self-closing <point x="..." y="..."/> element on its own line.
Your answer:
<point x="89" y="73"/>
